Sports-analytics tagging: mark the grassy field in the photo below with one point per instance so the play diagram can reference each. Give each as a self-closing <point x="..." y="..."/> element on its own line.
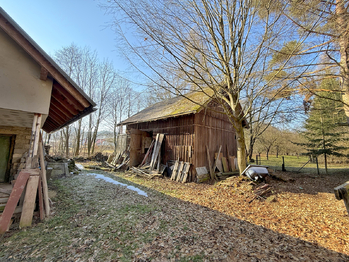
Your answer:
<point x="294" y="164"/>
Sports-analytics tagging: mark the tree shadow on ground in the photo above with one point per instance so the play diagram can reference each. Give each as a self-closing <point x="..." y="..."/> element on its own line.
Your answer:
<point x="113" y="223"/>
<point x="309" y="183"/>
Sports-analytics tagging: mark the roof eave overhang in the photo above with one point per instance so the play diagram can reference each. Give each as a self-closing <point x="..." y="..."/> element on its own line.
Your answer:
<point x="72" y="99"/>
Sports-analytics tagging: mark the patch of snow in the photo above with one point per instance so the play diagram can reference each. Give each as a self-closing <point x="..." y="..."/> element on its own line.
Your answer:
<point x="81" y="167"/>
<point x="110" y="180"/>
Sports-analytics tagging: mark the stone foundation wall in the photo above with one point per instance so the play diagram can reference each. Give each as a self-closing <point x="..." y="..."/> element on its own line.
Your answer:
<point x="21" y="145"/>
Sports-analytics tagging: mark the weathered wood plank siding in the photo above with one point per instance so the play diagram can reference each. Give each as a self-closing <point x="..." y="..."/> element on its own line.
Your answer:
<point x="186" y="136"/>
<point x="178" y="136"/>
<point x="214" y="130"/>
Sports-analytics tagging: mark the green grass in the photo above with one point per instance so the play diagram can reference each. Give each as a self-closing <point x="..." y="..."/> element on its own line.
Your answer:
<point x="294" y="164"/>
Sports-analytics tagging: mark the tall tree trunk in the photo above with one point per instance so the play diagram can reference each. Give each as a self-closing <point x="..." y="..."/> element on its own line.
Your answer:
<point x="66" y="141"/>
<point x="268" y="153"/>
<point x="241" y="148"/>
<point x="115" y="134"/>
<point x="89" y="136"/>
<point x="250" y="150"/>
<point x="78" y="139"/>
<point x="325" y="159"/>
<point x="94" y="137"/>
<point x="342" y="25"/>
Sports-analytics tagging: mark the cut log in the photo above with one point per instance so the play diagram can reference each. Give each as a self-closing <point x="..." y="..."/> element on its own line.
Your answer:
<point x="13" y="200"/>
<point x="29" y="202"/>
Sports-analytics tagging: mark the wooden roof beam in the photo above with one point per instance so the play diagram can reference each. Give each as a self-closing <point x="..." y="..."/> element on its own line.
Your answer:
<point x="56" y="118"/>
<point x="58" y="112"/>
<point x="68" y="96"/>
<point x="64" y="102"/>
<point x="62" y="109"/>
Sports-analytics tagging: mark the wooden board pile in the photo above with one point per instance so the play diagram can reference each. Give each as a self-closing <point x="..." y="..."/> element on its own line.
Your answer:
<point x="263" y="192"/>
<point x="180" y="171"/>
<point x="151" y="164"/>
<point x="220" y="170"/>
<point x="119" y="160"/>
<point x="29" y="183"/>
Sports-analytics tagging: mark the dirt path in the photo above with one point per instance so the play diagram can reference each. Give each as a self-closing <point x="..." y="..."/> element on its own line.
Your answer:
<point x="99" y="221"/>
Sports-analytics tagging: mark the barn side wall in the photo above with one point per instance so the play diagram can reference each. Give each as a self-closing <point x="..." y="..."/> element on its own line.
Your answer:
<point x="214" y="130"/>
<point x="179" y="136"/>
<point x="186" y="137"/>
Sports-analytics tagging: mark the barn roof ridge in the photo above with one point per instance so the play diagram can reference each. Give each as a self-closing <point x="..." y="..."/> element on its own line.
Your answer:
<point x="186" y="104"/>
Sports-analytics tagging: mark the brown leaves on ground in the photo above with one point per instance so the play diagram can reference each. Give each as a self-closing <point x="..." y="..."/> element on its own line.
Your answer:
<point x="303" y="206"/>
<point x="95" y="220"/>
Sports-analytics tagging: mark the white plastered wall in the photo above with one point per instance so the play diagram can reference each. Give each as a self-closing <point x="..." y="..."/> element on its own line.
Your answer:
<point x="20" y="86"/>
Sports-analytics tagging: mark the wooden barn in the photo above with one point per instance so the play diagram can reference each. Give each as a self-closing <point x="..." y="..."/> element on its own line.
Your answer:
<point x="35" y="94"/>
<point x="189" y="126"/>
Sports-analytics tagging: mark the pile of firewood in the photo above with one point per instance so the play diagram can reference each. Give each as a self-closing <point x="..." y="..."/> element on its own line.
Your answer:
<point x="262" y="193"/>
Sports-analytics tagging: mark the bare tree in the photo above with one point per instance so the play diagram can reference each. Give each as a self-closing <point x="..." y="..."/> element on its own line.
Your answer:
<point x="105" y="81"/>
<point x="124" y="102"/>
<point x="222" y="48"/>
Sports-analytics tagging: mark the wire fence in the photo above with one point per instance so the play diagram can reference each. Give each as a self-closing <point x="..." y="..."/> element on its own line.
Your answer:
<point x="300" y="164"/>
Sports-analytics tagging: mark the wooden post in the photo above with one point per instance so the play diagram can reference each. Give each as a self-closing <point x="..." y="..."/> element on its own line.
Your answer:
<point x="256" y="159"/>
<point x="43" y="177"/>
<point x="209" y="163"/>
<point x="33" y="134"/>
<point x="342" y="192"/>
<point x="28" y="163"/>
<point x="37" y="135"/>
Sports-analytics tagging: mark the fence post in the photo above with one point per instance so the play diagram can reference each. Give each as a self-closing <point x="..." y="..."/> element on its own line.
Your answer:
<point x="256" y="159"/>
<point x="283" y="164"/>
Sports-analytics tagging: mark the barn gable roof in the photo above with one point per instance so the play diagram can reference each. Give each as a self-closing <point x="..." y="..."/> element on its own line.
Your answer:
<point x="192" y="103"/>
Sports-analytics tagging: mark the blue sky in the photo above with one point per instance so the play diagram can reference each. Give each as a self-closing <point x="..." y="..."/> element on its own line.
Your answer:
<point x="54" y="24"/>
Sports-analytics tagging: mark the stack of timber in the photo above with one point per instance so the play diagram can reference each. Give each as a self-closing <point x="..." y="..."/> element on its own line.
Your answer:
<point x="263" y="193"/>
<point x="119" y="160"/>
<point x="180" y="171"/>
<point x="151" y="166"/>
<point x="30" y="182"/>
<point x="221" y="168"/>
